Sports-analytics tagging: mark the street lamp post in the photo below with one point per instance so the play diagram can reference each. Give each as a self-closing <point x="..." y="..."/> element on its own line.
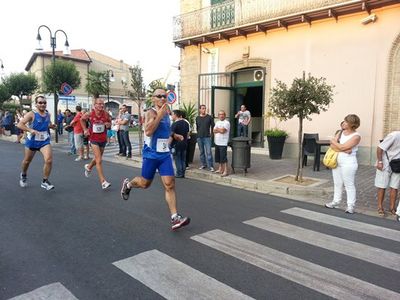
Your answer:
<point x="110" y="78"/>
<point x="53" y="44"/>
<point x="2" y="69"/>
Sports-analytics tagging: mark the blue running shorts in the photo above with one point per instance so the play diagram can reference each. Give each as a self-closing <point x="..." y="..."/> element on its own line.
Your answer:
<point x="164" y="167"/>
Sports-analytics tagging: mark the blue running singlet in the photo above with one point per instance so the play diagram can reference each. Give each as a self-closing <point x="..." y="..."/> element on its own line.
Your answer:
<point x="156" y="146"/>
<point x="40" y="124"/>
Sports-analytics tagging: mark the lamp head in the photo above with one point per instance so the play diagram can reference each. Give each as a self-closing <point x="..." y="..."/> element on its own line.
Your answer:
<point x="66" y="49"/>
<point x="111" y="75"/>
<point x="39" y="40"/>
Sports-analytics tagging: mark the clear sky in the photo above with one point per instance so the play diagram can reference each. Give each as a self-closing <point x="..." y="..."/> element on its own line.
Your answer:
<point x="134" y="31"/>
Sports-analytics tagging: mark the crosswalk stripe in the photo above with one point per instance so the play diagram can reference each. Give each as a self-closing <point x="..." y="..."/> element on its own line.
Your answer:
<point x="52" y="291"/>
<point x="313" y="276"/>
<point x="173" y="279"/>
<point x="345" y="223"/>
<point x="357" y="250"/>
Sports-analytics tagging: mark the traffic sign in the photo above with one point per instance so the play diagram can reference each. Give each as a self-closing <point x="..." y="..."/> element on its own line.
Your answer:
<point x="171" y="97"/>
<point x="67" y="98"/>
<point x="66" y="89"/>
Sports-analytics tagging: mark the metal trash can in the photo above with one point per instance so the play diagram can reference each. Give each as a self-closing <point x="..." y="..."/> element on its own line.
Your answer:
<point x="241" y="147"/>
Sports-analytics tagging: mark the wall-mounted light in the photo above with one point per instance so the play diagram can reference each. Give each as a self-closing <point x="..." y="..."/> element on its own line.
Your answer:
<point x="370" y="19"/>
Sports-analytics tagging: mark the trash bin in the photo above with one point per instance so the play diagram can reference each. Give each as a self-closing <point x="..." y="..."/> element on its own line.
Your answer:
<point x="241" y="147"/>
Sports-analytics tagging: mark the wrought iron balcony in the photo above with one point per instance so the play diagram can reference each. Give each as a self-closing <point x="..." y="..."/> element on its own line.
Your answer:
<point x="239" y="18"/>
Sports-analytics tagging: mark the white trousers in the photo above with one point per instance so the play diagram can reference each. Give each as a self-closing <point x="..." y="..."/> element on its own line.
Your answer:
<point x="344" y="175"/>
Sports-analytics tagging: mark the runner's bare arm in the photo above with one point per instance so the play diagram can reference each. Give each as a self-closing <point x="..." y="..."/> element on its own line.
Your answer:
<point x="152" y="119"/>
<point x="28" y="118"/>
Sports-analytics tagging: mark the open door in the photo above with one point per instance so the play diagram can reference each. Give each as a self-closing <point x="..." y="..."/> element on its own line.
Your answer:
<point x="222" y="98"/>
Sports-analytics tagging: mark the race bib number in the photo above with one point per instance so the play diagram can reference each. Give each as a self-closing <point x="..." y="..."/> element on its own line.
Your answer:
<point x="162" y="145"/>
<point x="98" y="128"/>
<point x="41" y="136"/>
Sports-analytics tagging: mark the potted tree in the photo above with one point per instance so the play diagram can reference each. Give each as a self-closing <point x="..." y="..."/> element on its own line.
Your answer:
<point x="189" y="111"/>
<point x="306" y="96"/>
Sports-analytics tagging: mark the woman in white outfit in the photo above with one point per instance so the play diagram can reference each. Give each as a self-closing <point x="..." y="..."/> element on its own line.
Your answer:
<point x="345" y="172"/>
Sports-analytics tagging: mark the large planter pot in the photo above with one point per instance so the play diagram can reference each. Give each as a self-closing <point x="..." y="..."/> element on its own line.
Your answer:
<point x="191" y="148"/>
<point x="275" y="146"/>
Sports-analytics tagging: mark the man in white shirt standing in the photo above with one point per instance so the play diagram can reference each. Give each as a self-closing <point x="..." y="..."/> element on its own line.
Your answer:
<point x="221" y="138"/>
<point x="244" y="117"/>
<point x="387" y="150"/>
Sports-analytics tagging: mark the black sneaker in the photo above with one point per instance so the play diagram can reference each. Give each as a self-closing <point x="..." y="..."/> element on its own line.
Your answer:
<point x="47" y="185"/>
<point x="23" y="180"/>
<point x="125" y="190"/>
<point x="179" y="222"/>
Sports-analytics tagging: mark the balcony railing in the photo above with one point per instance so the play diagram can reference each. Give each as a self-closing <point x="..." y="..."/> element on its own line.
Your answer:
<point x="236" y="13"/>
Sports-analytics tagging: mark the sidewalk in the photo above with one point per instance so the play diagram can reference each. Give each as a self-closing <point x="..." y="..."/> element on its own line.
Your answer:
<point x="263" y="172"/>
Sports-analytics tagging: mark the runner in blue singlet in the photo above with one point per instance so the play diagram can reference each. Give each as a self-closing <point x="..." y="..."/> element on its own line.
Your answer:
<point x="37" y="139"/>
<point x="156" y="156"/>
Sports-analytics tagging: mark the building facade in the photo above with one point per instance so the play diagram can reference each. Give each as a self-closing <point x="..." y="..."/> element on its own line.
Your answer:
<point x="232" y="51"/>
<point x="84" y="62"/>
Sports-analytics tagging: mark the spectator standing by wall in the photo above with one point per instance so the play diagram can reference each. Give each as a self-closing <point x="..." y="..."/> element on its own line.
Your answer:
<point x="244" y="118"/>
<point x="221" y="138"/>
<point x="70" y="130"/>
<point x="205" y="125"/>
<point x="345" y="172"/>
<point x="387" y="150"/>
<point x="124" y="132"/>
<point x="118" y="132"/>
<point x="60" y="121"/>
<point x="78" y="132"/>
<point x="179" y="134"/>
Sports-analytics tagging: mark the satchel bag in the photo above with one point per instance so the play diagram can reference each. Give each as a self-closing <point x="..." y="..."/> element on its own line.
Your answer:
<point x="394" y="164"/>
<point x="330" y="158"/>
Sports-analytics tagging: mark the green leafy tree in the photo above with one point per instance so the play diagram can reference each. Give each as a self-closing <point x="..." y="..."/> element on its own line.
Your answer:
<point x="306" y="96"/>
<point x="5" y="94"/>
<point x="98" y="83"/>
<point x="138" y="95"/>
<point x="154" y="85"/>
<point x="20" y="84"/>
<point x="59" y="72"/>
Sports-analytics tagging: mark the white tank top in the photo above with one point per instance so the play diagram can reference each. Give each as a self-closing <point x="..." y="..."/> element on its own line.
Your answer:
<point x="343" y="139"/>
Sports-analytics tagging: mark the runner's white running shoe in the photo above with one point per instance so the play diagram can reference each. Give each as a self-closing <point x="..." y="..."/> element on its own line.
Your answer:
<point x="47" y="185"/>
<point x="22" y="180"/>
<point x="105" y="185"/>
<point x="87" y="170"/>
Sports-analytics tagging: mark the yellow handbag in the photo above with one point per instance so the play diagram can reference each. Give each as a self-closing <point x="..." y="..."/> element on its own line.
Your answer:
<point x="330" y="158"/>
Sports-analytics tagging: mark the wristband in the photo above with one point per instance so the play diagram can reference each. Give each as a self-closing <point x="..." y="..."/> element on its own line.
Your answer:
<point x="379" y="162"/>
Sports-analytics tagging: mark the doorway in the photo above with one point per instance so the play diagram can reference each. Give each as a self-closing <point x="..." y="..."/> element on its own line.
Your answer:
<point x="252" y="98"/>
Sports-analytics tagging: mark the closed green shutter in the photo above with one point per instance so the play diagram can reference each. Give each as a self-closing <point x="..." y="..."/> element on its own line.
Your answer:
<point x="222" y="16"/>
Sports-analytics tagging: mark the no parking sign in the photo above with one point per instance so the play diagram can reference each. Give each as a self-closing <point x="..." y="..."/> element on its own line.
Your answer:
<point x="66" y="89"/>
<point x="171" y="97"/>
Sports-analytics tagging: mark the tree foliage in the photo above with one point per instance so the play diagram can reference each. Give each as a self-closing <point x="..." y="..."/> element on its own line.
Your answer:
<point x="56" y="74"/>
<point x="5" y="94"/>
<point x="137" y="94"/>
<point x="20" y="84"/>
<point x="306" y="96"/>
<point x="98" y="83"/>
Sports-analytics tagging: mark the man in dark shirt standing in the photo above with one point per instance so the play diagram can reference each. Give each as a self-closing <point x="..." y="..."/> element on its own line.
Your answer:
<point x="205" y="125"/>
<point x="179" y="133"/>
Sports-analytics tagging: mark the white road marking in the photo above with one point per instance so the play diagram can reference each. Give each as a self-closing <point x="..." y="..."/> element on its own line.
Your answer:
<point x="370" y="229"/>
<point x="313" y="276"/>
<point x="173" y="279"/>
<point x="367" y="253"/>
<point x="48" y="292"/>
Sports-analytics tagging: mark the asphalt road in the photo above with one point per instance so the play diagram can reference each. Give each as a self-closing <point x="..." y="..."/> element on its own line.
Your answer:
<point x="80" y="242"/>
